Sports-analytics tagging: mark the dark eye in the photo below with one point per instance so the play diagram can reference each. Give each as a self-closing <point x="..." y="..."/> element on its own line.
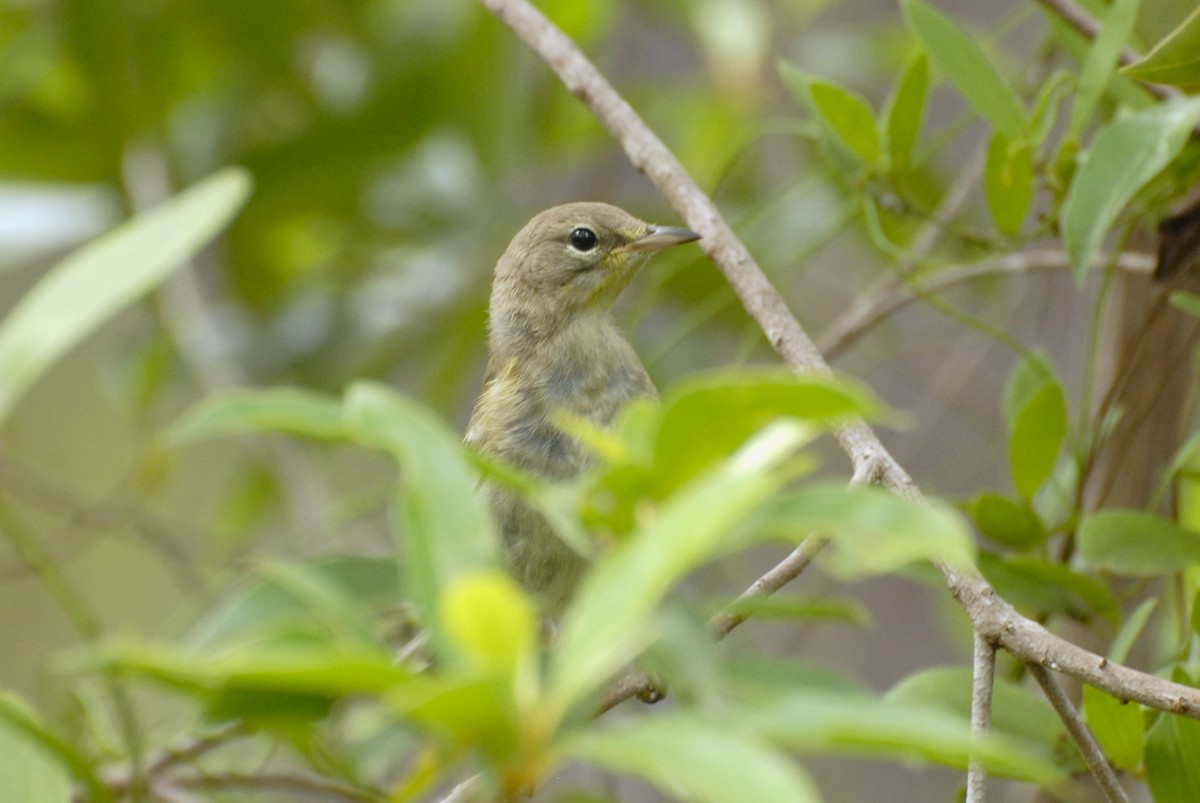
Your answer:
<point x="583" y="239"/>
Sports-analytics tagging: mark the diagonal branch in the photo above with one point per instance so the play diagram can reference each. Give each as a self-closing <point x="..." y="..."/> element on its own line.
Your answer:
<point x="992" y="618"/>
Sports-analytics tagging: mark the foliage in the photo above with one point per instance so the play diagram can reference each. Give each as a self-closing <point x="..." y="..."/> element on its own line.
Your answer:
<point x="352" y="631"/>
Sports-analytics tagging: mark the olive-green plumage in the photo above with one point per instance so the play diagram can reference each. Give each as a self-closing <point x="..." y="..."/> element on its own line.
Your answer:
<point x="554" y="346"/>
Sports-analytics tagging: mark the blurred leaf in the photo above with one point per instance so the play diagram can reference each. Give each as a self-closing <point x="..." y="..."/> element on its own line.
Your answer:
<point x="849" y="118"/>
<point x="904" y="111"/>
<point x="609" y="620"/>
<point x="296" y="411"/>
<point x="1008" y="182"/>
<point x="1124" y="156"/>
<point x="446" y="527"/>
<point x="1027" y="378"/>
<point x="823" y="722"/>
<point x="33" y="762"/>
<point x="685" y="755"/>
<point x="491" y="621"/>
<point x="1039" y="587"/>
<point x="780" y="606"/>
<point x="469" y="713"/>
<point x="1005" y="521"/>
<point x="1035" y="438"/>
<point x="1185" y="301"/>
<point x="1101" y="61"/>
<point x="105" y="276"/>
<point x="959" y="59"/>
<point x="1171" y="767"/>
<point x="1131" y="542"/>
<point x="1130" y="631"/>
<point x="872" y="531"/>
<point x="1117" y="726"/>
<point x="1017" y="713"/>
<point x="1175" y="60"/>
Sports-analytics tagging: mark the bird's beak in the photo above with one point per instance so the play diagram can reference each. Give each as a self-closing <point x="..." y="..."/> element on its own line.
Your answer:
<point x="659" y="237"/>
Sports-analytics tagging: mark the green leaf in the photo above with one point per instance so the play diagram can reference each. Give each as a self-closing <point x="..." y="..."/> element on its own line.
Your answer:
<point x="1171" y="767"/>
<point x="1175" y="60"/>
<point x="904" y="111"/>
<point x="1039" y="586"/>
<point x="1008" y="182"/>
<point x="957" y="57"/>
<point x="780" y="606"/>
<point x="1185" y="301"/>
<point x="1101" y="60"/>
<point x="102" y="278"/>
<point x="610" y="618"/>
<point x="1005" y="521"/>
<point x="32" y="769"/>
<point x="1118" y="727"/>
<point x="818" y="721"/>
<point x="872" y="531"/>
<point x="849" y="118"/>
<point x="491" y="621"/>
<point x="445" y="523"/>
<point x="1017" y="713"/>
<point x="1036" y="436"/>
<point x="1125" y="155"/>
<point x="470" y="714"/>
<point x="1131" y="542"/>
<point x="1027" y="378"/>
<point x="295" y="411"/>
<point x="693" y="758"/>
<point x="1129" y="631"/>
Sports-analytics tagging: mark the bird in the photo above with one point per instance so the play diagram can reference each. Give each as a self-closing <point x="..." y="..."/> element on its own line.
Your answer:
<point x="554" y="348"/>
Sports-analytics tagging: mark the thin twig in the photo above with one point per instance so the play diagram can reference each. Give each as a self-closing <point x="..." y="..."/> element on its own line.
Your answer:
<point x="294" y="783"/>
<point x="1092" y="754"/>
<point x="992" y="617"/>
<point x="983" y="680"/>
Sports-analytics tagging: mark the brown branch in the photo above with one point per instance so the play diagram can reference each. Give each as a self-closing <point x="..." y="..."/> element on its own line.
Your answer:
<point x="983" y="677"/>
<point x="1091" y="752"/>
<point x="991" y="617"/>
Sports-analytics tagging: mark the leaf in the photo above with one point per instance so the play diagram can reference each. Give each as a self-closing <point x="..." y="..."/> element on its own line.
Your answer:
<point x="296" y="411"/>
<point x="849" y="118"/>
<point x="1131" y="542"/>
<point x="1017" y="713"/>
<point x="1175" y="60"/>
<point x="1036" y="436"/>
<point x="491" y="621"/>
<point x="780" y="606"/>
<point x="691" y="757"/>
<point x="957" y="57"/>
<point x="446" y="527"/>
<point x="1129" y="631"/>
<point x="1185" y="301"/>
<point x="1101" y="60"/>
<point x="1008" y="182"/>
<point x="1124" y="156"/>
<point x="872" y="531"/>
<point x="31" y="759"/>
<point x="1027" y="378"/>
<point x="1117" y="725"/>
<point x="1006" y="522"/>
<point x="904" y="111"/>
<point x="1040" y="587"/>
<point x="103" y="277"/>
<point x="1172" y="771"/>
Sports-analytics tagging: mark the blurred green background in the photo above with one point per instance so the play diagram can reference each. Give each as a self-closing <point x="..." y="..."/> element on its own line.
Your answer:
<point x="396" y="146"/>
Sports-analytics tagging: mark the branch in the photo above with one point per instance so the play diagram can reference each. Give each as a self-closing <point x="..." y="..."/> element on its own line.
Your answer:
<point x="991" y="617"/>
<point x="1092" y="754"/>
<point x="983" y="679"/>
<point x="870" y="308"/>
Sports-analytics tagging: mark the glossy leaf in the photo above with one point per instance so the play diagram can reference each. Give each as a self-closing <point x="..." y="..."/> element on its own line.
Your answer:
<point x="1131" y="542"/>
<point x="904" y="111"/>
<point x="1124" y="156"/>
<point x="959" y="59"/>
<point x="1008" y="182"/>
<point x="1005" y="521"/>
<point x="1036" y="437"/>
<point x="1101" y="61"/>
<point x="295" y="411"/>
<point x="1175" y="60"/>
<point x="444" y="523"/>
<point x="102" y="278"/>
<point x="684" y="754"/>
<point x="1118" y="727"/>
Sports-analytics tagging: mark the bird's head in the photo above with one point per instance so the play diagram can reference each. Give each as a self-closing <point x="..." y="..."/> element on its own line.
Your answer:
<point x="575" y="258"/>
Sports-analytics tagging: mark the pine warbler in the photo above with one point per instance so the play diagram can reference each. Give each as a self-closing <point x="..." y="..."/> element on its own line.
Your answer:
<point x="554" y="346"/>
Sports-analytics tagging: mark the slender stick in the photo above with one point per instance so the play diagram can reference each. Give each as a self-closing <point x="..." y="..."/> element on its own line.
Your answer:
<point x="983" y="680"/>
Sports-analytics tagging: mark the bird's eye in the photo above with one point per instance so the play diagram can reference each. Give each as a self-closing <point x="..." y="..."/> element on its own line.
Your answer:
<point x="583" y="239"/>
